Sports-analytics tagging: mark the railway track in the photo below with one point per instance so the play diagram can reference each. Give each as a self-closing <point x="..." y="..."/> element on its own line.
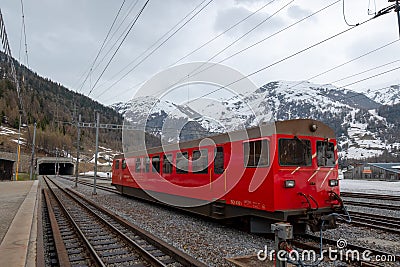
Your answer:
<point x="371" y="205"/>
<point x="370" y="196"/>
<point x="90" y="184"/>
<point x="380" y="222"/>
<point x="89" y="235"/>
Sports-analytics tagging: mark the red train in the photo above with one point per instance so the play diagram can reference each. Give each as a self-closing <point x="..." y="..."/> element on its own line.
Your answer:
<point x="288" y="172"/>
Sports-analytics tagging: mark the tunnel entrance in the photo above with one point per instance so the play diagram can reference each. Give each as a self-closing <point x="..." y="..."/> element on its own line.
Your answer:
<point x="49" y="169"/>
<point x="48" y="166"/>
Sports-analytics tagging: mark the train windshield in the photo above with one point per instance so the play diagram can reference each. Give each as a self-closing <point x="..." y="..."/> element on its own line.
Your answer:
<point x="326" y="154"/>
<point x="294" y="152"/>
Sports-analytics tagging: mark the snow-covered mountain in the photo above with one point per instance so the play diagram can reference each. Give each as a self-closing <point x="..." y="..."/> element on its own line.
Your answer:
<point x="385" y="96"/>
<point x="354" y="116"/>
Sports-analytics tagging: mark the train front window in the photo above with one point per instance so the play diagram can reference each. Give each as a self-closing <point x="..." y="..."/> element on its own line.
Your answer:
<point x="123" y="164"/>
<point x="294" y="152"/>
<point x="325" y="154"/>
<point x="155" y="161"/>
<point x="256" y="153"/>
<point x="167" y="163"/>
<point x="200" y="161"/>
<point x="182" y="163"/>
<point x="138" y="165"/>
<point x="117" y="164"/>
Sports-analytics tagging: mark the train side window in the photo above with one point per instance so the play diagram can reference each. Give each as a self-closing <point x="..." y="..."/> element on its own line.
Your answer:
<point x="325" y="154"/>
<point x="182" y="163"/>
<point x="123" y="164"/>
<point x="167" y="163"/>
<point x="256" y="153"/>
<point x="200" y="161"/>
<point x="155" y="162"/>
<point x="294" y="152"/>
<point x="117" y="164"/>
<point x="219" y="160"/>
<point x="138" y="165"/>
<point x="147" y="165"/>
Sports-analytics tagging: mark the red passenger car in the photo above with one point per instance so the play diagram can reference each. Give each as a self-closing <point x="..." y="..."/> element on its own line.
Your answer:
<point x="287" y="171"/>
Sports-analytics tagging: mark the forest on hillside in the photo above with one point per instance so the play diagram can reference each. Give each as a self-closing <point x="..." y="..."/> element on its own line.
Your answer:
<point x="55" y="110"/>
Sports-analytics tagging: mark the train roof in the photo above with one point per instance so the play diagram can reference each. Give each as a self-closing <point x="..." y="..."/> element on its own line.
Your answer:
<point x="297" y="127"/>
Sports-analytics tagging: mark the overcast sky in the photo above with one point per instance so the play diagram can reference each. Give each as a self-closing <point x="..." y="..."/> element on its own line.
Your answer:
<point x="64" y="36"/>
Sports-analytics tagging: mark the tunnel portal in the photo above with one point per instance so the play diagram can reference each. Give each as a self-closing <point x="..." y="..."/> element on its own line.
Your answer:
<point x="49" y="165"/>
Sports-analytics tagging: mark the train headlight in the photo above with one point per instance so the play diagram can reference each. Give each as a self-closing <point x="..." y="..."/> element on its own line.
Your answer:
<point x="313" y="127"/>
<point x="290" y="183"/>
<point x="333" y="183"/>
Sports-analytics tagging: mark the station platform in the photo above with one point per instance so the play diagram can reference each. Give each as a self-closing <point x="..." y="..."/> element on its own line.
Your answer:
<point x="18" y="223"/>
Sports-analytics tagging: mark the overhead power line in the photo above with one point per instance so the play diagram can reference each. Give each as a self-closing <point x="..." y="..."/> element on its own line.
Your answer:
<point x="102" y="45"/>
<point x="256" y="43"/>
<point x="119" y="46"/>
<point x="285" y="58"/>
<point x="110" y="49"/>
<point x="23" y="33"/>
<point x="267" y="38"/>
<point x="157" y="41"/>
<point x="157" y="47"/>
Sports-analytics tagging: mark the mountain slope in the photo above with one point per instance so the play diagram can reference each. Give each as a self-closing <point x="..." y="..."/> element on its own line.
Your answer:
<point x="357" y="119"/>
<point x="385" y="96"/>
<point x="54" y="108"/>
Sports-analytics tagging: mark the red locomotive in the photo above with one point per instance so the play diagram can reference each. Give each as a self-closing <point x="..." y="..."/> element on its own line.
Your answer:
<point x="287" y="174"/>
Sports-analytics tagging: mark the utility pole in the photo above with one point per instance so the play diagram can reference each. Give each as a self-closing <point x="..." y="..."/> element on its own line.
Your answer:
<point x="18" y="148"/>
<point x="398" y="14"/>
<point x="33" y="152"/>
<point x="395" y="7"/>
<point x="56" y="164"/>
<point x="97" y="151"/>
<point x="77" y="151"/>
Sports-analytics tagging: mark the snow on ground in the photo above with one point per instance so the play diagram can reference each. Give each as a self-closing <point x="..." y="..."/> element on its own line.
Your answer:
<point x="20" y="141"/>
<point x="99" y="174"/>
<point x="371" y="187"/>
<point x="7" y="131"/>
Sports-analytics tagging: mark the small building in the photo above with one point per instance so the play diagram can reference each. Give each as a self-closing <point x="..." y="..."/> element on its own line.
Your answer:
<point x="373" y="171"/>
<point x="6" y="169"/>
<point x="385" y="171"/>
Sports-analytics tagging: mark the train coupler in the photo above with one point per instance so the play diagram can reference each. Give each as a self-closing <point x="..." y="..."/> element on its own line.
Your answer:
<point x="323" y="223"/>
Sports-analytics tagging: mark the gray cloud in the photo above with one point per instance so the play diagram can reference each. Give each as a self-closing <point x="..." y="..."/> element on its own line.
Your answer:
<point x="229" y="16"/>
<point x="297" y="12"/>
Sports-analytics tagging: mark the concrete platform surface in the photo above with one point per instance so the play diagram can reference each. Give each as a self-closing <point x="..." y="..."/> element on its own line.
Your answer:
<point x="17" y="209"/>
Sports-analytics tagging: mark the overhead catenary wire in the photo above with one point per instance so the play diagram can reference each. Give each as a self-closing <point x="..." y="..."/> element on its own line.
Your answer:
<point x="110" y="49"/>
<point x="196" y="49"/>
<point x="357" y="94"/>
<point x="158" y="40"/>
<point x="102" y="45"/>
<point x="344" y="17"/>
<point x="157" y="47"/>
<point x="23" y="34"/>
<point x="256" y="43"/>
<point x="121" y="23"/>
<point x="220" y="34"/>
<point x="238" y="39"/>
<point x="344" y="63"/>
<point x="285" y="58"/>
<point x="268" y="37"/>
<point x="119" y="46"/>
<point x="242" y="36"/>
<point x="365" y="71"/>
<point x="318" y="43"/>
